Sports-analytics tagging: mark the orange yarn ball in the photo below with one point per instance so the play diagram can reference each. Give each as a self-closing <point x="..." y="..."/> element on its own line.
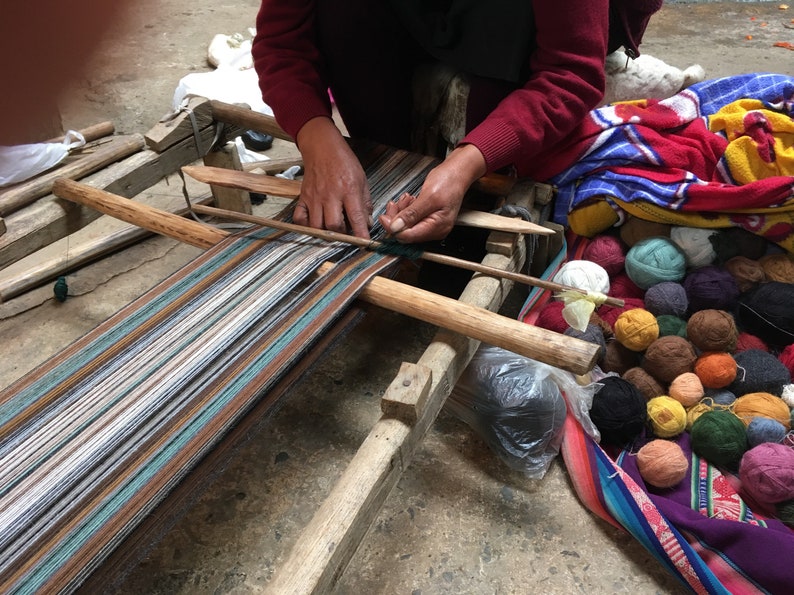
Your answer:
<point x="778" y="267"/>
<point x="696" y="411"/>
<point x="636" y="329"/>
<point x="687" y="389"/>
<point x="662" y="463"/>
<point x="716" y="369"/>
<point x="762" y="404"/>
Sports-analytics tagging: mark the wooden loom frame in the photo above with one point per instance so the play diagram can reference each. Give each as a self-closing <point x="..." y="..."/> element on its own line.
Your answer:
<point x="409" y="406"/>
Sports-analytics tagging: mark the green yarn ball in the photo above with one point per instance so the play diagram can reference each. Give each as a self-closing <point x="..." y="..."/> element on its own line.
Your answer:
<point x="719" y="437"/>
<point x="671" y="325"/>
<point x="785" y="512"/>
<point x="655" y="260"/>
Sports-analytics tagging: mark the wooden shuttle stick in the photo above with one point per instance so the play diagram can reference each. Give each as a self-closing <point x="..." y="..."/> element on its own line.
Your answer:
<point x="568" y="353"/>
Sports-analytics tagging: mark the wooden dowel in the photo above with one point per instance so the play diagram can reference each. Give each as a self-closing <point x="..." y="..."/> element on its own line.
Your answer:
<point x="151" y="218"/>
<point x="558" y="350"/>
<point x="332" y="236"/>
<point x="273" y="166"/>
<point x="91" y="133"/>
<point x="25" y="193"/>
<point x="247" y="119"/>
<point x="253" y="182"/>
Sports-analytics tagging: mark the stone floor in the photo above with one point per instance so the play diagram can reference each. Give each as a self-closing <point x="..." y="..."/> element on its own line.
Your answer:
<point x="458" y="521"/>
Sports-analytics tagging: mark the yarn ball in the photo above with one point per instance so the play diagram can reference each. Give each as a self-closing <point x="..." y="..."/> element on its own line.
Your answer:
<point x="747" y="273"/>
<point x="736" y="241"/>
<point x="608" y="251"/>
<point x="720" y="396"/>
<point x="636" y="329"/>
<point x="655" y="260"/>
<point x="618" y="411"/>
<point x="786" y="358"/>
<point x="719" y="437"/>
<point x="763" y="429"/>
<point x="715" y="369"/>
<point x="671" y="325"/>
<point x="550" y="317"/>
<point x="694" y="412"/>
<point x="644" y="382"/>
<point x="711" y="287"/>
<point x="606" y="328"/>
<point x="583" y="274"/>
<point x="623" y="287"/>
<point x="609" y="314"/>
<point x="785" y="512"/>
<point x="668" y="357"/>
<point x="747" y="341"/>
<point x="767" y="473"/>
<point x="712" y="330"/>
<point x="687" y="389"/>
<point x="666" y="416"/>
<point x="767" y="313"/>
<point x="788" y="395"/>
<point x="778" y="267"/>
<point x="635" y="230"/>
<point x="592" y="218"/>
<point x="592" y="334"/>
<point x="667" y="297"/>
<point x="696" y="244"/>
<point x="618" y="358"/>
<point x="662" y="463"/>
<point x="759" y="371"/>
<point x="762" y="404"/>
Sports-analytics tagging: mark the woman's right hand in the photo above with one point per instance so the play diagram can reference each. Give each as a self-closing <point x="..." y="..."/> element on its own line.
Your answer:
<point x="334" y="192"/>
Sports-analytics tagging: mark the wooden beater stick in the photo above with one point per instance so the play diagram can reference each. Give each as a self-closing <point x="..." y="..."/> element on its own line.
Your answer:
<point x="332" y="236"/>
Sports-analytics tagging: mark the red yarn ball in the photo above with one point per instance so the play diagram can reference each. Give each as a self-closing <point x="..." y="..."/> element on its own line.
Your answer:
<point x="609" y="314"/>
<point x="787" y="358"/>
<point x="621" y="286"/>
<point x="550" y="317"/>
<point x="746" y="341"/>
<point x="608" y="251"/>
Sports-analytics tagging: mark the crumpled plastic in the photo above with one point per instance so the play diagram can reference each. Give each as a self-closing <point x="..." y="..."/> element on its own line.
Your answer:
<point x="518" y="406"/>
<point x="22" y="162"/>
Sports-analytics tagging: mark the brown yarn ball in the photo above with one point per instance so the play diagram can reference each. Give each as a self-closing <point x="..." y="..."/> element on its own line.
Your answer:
<point x="645" y="383"/>
<point x="617" y="358"/>
<point x="716" y="369"/>
<point x="762" y="404"/>
<point x="778" y="267"/>
<point x="686" y="389"/>
<point x="605" y="327"/>
<point x="712" y="330"/>
<point x="662" y="463"/>
<point x="635" y="230"/>
<point x="668" y="357"/>
<point x="747" y="272"/>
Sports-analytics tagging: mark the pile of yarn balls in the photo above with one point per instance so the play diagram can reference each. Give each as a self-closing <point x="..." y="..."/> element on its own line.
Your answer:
<point x="704" y="345"/>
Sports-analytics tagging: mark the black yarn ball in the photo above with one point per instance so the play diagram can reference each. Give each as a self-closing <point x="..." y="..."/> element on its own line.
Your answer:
<point x="735" y="241"/>
<point x="767" y="311"/>
<point x="759" y="372"/>
<point x="619" y="411"/>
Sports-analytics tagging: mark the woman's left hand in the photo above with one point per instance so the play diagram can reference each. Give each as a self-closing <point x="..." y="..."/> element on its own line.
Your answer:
<point x="431" y="215"/>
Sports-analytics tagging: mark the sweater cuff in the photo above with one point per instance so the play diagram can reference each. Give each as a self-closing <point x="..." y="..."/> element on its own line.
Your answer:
<point x="292" y="118"/>
<point x="498" y="144"/>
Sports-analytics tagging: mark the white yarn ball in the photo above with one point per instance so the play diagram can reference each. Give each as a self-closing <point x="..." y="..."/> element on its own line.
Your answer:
<point x="695" y="244"/>
<point x="788" y="395"/>
<point x="583" y="274"/>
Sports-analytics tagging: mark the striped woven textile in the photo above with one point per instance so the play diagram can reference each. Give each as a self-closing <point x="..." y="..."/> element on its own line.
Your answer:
<point x="95" y="438"/>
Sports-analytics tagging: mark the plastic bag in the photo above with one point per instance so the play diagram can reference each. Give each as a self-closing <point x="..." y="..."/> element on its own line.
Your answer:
<point x="517" y="405"/>
<point x="22" y="162"/>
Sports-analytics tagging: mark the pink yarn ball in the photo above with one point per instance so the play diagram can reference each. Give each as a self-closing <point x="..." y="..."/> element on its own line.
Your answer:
<point x="767" y="473"/>
<point x="608" y="251"/>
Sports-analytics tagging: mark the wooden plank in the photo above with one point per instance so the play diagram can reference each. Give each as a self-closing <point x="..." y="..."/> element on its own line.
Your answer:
<point x="227" y="158"/>
<point x="170" y="131"/>
<point x="252" y="182"/>
<point x="115" y="149"/>
<point x="328" y="542"/>
<point x="407" y="395"/>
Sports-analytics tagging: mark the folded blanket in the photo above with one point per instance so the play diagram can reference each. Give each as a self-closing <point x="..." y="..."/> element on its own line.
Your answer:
<point x="717" y="154"/>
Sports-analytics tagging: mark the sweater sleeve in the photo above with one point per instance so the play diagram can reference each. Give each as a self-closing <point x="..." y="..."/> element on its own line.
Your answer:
<point x="567" y="81"/>
<point x="288" y="63"/>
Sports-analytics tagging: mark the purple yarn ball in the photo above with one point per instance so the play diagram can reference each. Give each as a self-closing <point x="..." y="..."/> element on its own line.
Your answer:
<point x="711" y="288"/>
<point x="667" y="297"/>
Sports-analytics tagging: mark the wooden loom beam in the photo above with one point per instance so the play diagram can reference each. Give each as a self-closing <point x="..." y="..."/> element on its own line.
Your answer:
<point x="568" y="353"/>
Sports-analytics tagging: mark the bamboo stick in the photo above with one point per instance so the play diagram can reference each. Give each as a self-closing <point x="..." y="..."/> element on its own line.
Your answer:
<point x="558" y="350"/>
<point x="332" y="236"/>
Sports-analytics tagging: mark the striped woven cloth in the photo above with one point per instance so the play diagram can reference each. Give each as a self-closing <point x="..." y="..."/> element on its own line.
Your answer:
<point x="95" y="438"/>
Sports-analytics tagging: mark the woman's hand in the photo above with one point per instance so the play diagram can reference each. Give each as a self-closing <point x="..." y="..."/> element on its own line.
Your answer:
<point x="432" y="214"/>
<point x="334" y="192"/>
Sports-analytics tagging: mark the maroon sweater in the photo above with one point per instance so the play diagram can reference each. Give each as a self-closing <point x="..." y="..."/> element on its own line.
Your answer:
<point x="566" y="80"/>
